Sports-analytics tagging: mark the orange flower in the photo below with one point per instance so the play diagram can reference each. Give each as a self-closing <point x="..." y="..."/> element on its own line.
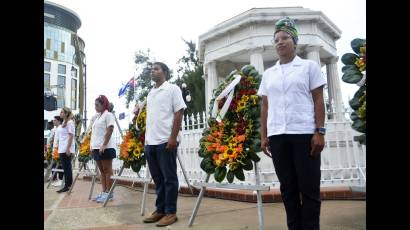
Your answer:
<point x="222" y="148"/>
<point x="56" y="156"/>
<point x="240" y="138"/>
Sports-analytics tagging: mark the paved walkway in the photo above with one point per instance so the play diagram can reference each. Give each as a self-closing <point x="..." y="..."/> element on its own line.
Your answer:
<point x="75" y="211"/>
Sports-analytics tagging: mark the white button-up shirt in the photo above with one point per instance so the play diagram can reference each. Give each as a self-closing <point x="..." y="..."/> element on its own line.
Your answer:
<point x="63" y="137"/>
<point x="99" y="129"/>
<point x="162" y="104"/>
<point x="290" y="102"/>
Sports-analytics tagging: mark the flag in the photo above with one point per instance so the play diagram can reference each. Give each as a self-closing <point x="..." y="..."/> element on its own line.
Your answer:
<point x="122" y="91"/>
<point x="121" y="116"/>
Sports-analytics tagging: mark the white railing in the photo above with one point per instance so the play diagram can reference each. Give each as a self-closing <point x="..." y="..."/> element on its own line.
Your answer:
<point x="343" y="161"/>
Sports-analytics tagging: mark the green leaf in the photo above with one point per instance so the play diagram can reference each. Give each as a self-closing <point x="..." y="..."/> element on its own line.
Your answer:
<point x="354" y="103"/>
<point x="230" y="176"/>
<point x="246" y="69"/>
<point x="349" y="58"/>
<point x="207" y="166"/>
<point x="253" y="73"/>
<point x="361" y="139"/>
<point x="239" y="174"/>
<point x="359" y="93"/>
<point x="254" y="156"/>
<point x="352" y="76"/>
<point x="354" y="116"/>
<point x="136" y="166"/>
<point x="359" y="126"/>
<point x="220" y="174"/>
<point x="248" y="165"/>
<point x="356" y="44"/>
<point x="126" y="164"/>
<point x="349" y="67"/>
<point x="201" y="152"/>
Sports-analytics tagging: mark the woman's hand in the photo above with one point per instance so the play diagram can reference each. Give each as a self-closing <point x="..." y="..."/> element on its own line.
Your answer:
<point x="265" y="147"/>
<point x="102" y="148"/>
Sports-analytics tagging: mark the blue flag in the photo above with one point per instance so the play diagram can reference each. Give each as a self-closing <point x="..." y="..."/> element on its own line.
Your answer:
<point x="122" y="91"/>
<point x="121" y="116"/>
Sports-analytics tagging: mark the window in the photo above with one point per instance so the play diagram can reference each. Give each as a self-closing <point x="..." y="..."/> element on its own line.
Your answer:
<point x="47" y="86"/>
<point x="61" y="91"/>
<point x="61" y="81"/>
<point x="61" y="69"/>
<point x="47" y="66"/>
<point x="55" y="55"/>
<point x="73" y="94"/>
<point x="62" y="47"/>
<point x="48" y="43"/>
<point x="60" y="97"/>
<point x="74" y="73"/>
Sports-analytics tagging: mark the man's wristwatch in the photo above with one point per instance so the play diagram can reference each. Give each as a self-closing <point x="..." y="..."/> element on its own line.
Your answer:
<point x="321" y="130"/>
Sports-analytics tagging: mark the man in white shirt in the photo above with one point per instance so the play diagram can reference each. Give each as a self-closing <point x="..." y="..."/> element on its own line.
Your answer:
<point x="165" y="109"/>
<point x="292" y="132"/>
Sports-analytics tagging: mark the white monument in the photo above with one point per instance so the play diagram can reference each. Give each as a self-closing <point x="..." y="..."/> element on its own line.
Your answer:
<point x="247" y="38"/>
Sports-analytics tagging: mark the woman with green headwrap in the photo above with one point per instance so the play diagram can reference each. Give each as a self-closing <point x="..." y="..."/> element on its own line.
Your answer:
<point x="292" y="126"/>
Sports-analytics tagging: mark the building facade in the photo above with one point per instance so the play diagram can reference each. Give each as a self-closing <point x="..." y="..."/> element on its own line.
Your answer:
<point x="63" y="58"/>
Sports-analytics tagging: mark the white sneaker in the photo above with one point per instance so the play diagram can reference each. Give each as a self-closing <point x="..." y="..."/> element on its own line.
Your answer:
<point x="58" y="183"/>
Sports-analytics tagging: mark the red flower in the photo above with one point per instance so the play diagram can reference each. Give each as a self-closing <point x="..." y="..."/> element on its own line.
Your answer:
<point x="221" y="103"/>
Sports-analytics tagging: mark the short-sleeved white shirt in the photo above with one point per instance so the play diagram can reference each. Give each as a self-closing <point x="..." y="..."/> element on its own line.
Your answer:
<point x="63" y="137"/>
<point x="99" y="129"/>
<point x="290" y="102"/>
<point x="51" y="136"/>
<point x="56" y="136"/>
<point x="162" y="103"/>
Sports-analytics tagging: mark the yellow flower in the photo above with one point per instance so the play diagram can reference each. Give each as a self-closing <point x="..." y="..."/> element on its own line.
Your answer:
<point x="360" y="63"/>
<point x="245" y="98"/>
<point x="241" y="106"/>
<point x="254" y="99"/>
<point x="363" y="49"/>
<point x="233" y="166"/>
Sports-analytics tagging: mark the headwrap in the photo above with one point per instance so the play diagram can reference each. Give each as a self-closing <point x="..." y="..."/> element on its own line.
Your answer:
<point x="288" y="25"/>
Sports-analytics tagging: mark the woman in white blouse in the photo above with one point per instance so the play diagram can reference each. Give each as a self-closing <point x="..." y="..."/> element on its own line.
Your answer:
<point x="102" y="146"/>
<point x="292" y="126"/>
<point x="66" y="146"/>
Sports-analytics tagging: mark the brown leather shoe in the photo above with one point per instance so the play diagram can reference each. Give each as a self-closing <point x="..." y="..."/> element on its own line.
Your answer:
<point x="155" y="216"/>
<point x="168" y="219"/>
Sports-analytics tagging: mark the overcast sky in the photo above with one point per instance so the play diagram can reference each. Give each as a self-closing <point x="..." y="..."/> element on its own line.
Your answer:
<point x="113" y="30"/>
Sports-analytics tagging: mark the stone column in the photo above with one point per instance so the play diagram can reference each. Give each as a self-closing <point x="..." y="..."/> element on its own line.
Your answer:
<point x="212" y="81"/>
<point x="313" y="53"/>
<point x="335" y="92"/>
<point x="256" y="59"/>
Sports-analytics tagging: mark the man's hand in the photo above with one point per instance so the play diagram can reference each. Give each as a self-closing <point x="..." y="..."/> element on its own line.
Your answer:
<point x="318" y="143"/>
<point x="172" y="144"/>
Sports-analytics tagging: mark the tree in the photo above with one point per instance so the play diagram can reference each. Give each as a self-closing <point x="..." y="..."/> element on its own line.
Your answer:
<point x="143" y="83"/>
<point x="191" y="71"/>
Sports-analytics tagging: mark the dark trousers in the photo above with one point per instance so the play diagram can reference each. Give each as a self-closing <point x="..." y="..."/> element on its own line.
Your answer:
<point x="163" y="168"/>
<point x="68" y="170"/>
<point x="299" y="177"/>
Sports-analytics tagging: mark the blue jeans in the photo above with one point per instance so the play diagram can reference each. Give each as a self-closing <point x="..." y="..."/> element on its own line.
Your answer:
<point x="162" y="165"/>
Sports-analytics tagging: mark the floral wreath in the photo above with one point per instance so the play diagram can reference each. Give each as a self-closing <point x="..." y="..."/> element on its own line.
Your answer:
<point x="132" y="146"/>
<point x="230" y="143"/>
<point x="85" y="152"/>
<point x="354" y="72"/>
